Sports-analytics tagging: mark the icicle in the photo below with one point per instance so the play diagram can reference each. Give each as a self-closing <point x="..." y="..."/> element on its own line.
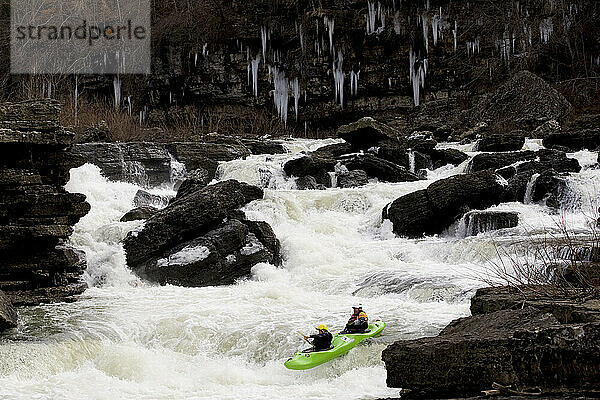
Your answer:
<point x="454" y="33"/>
<point x="425" y="31"/>
<point x="435" y="25"/>
<point x="296" y="90"/>
<point x="117" y="90"/>
<point x="129" y="105"/>
<point x="330" y="24"/>
<point x="338" y="77"/>
<point x="301" y="35"/>
<point x="354" y="76"/>
<point x="417" y="75"/>
<point x="280" y="95"/>
<point x="546" y="29"/>
<point x="397" y="26"/>
<point x="376" y="13"/>
<point x="205" y="50"/>
<point x="255" y="64"/>
<point x="264" y="37"/>
<point x="195" y="59"/>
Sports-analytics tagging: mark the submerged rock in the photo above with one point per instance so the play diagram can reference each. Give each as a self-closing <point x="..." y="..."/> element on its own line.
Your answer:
<point x="476" y="222"/>
<point x="202" y="238"/>
<point x="353" y="178"/>
<point x="432" y="210"/>
<point x="525" y="348"/>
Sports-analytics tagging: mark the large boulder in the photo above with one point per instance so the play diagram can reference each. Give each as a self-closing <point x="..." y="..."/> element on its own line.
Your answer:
<point x="574" y="140"/>
<point x="202" y="238"/>
<point x="524" y="102"/>
<point x="524" y="348"/>
<point x="8" y="314"/>
<point x="501" y="142"/>
<point x="353" y="178"/>
<point x="312" y="164"/>
<point x="519" y="161"/>
<point x="432" y="210"/>
<point x="146" y="164"/>
<point x="570" y="306"/>
<point x="367" y="132"/>
<point x="442" y="157"/>
<point x="379" y="168"/>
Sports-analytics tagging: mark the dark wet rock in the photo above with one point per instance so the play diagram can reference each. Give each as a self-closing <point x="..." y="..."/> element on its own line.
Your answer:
<point x="379" y="168"/>
<point x="574" y="140"/>
<point x="525" y="348"/>
<point x="430" y="211"/>
<point x="421" y="142"/>
<point x="308" y="183"/>
<point x="311" y="164"/>
<point x="442" y="157"/>
<point x="138" y="213"/>
<point x="367" y="132"/>
<point x="524" y="102"/>
<point x="143" y="199"/>
<point x="194" y="180"/>
<point x="546" y="129"/>
<point x="8" y="314"/>
<point x="202" y="238"/>
<point x="476" y="222"/>
<point x="334" y="150"/>
<point x="264" y="146"/>
<point x="532" y="186"/>
<point x="195" y="154"/>
<point x="353" y="178"/>
<point x="567" y="306"/>
<point x="512" y="141"/>
<point x="36" y="213"/>
<point x="146" y="164"/>
<point x="30" y="115"/>
<point x="520" y="161"/>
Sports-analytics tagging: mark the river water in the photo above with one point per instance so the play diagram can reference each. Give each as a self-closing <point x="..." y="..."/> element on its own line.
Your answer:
<point x="126" y="339"/>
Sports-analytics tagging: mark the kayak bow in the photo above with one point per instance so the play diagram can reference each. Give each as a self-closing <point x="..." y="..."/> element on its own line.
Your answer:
<point x="342" y="343"/>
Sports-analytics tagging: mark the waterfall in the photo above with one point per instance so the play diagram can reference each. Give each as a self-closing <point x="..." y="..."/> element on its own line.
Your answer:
<point x="528" y="199"/>
<point x="411" y="160"/>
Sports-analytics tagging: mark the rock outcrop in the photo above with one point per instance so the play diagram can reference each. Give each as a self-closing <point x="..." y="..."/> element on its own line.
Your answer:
<point x="518" y="161"/>
<point x="202" y="238"/>
<point x="512" y="141"/>
<point x="524" y="102"/>
<point x="36" y="213"/>
<point x="525" y="348"/>
<point x="430" y="211"/>
<point x="8" y="314"/>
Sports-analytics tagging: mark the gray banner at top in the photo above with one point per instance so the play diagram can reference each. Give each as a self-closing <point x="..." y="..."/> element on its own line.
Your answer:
<point x="80" y="36"/>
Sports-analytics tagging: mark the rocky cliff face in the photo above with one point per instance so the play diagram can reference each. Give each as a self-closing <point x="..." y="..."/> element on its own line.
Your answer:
<point x="321" y="65"/>
<point x="36" y="213"/>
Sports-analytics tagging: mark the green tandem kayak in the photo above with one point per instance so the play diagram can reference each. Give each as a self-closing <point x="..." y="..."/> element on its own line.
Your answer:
<point x="341" y="344"/>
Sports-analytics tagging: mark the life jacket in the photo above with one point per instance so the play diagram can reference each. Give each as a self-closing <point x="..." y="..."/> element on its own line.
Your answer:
<point x="360" y="315"/>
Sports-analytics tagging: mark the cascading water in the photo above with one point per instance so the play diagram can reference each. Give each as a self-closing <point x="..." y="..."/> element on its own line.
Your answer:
<point x="127" y="339"/>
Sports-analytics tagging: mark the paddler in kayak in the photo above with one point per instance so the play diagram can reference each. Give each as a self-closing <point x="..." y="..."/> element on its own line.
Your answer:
<point x="358" y="322"/>
<point x="321" y="340"/>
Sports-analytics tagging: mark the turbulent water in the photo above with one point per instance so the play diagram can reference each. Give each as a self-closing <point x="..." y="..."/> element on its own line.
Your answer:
<point x="126" y="339"/>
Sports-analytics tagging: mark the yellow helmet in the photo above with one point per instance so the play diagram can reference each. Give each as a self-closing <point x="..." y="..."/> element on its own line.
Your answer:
<point x="322" y="327"/>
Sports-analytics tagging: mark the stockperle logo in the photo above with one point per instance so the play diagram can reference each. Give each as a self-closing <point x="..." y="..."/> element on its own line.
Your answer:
<point x="80" y="36"/>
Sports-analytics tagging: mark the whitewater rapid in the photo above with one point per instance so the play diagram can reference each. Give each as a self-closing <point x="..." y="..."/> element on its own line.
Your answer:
<point x="126" y="339"/>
